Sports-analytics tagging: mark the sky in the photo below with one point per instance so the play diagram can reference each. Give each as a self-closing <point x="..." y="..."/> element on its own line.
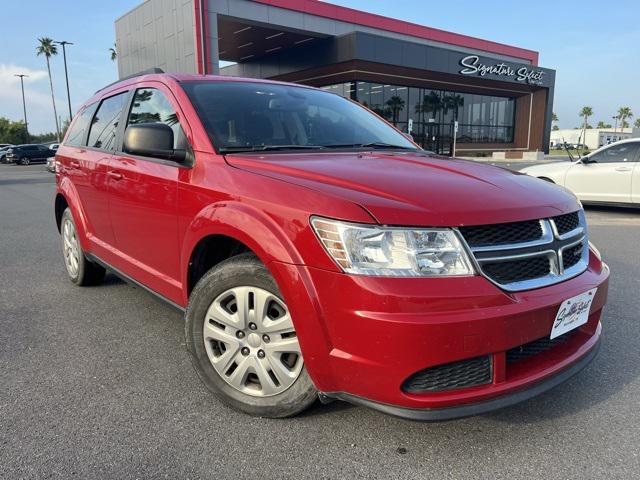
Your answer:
<point x="593" y="45"/>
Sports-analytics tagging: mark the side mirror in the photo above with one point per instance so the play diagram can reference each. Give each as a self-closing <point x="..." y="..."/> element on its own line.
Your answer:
<point x="152" y="140"/>
<point x="587" y="161"/>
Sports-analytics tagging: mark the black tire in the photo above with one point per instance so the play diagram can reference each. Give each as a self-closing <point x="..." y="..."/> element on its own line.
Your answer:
<point x="88" y="272"/>
<point x="242" y="270"/>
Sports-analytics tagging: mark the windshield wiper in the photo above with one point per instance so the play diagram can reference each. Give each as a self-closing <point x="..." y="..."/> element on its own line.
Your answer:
<point x="374" y="145"/>
<point x="267" y="148"/>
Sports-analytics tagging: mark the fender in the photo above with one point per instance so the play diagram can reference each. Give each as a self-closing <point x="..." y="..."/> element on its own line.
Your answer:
<point x="70" y="194"/>
<point x="240" y="221"/>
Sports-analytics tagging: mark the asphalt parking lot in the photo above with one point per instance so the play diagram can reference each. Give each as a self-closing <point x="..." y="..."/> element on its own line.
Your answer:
<point x="96" y="383"/>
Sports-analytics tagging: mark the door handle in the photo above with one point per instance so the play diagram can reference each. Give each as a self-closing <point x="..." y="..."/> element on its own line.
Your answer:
<point x="74" y="164"/>
<point x="623" y="169"/>
<point x="116" y="175"/>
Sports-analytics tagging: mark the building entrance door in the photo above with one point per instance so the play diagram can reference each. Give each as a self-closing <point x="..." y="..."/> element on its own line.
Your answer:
<point x="438" y="138"/>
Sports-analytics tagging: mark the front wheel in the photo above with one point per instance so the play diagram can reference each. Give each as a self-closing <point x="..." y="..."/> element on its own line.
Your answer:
<point x="80" y="270"/>
<point x="24" y="161"/>
<point x="243" y="343"/>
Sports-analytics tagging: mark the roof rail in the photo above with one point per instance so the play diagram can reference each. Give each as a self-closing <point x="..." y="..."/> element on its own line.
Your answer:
<point x="148" y="71"/>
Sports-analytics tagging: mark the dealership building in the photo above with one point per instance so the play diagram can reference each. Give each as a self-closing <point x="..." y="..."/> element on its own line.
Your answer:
<point x="430" y="83"/>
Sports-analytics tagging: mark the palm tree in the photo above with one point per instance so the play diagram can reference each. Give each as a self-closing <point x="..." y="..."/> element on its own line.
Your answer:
<point x="454" y="102"/>
<point x="623" y="114"/>
<point x="601" y="124"/>
<point x="48" y="48"/>
<point x="585" y="113"/>
<point x="430" y="103"/>
<point x="113" y="52"/>
<point x="396" y="105"/>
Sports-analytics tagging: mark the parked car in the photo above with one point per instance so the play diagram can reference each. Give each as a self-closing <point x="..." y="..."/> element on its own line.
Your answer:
<point x="4" y="148"/>
<point x="318" y="252"/>
<point x="26" y="154"/>
<point x="562" y="146"/>
<point x="609" y="175"/>
<point x="51" y="164"/>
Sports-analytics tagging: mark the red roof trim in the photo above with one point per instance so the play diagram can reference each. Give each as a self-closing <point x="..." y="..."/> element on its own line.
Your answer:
<point x="335" y="12"/>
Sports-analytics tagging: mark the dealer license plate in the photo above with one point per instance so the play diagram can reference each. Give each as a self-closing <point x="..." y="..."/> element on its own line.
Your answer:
<point x="572" y="313"/>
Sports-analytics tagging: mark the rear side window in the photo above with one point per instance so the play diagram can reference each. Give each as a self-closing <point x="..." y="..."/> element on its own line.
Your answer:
<point x="152" y="106"/>
<point x="76" y="133"/>
<point x="105" y="123"/>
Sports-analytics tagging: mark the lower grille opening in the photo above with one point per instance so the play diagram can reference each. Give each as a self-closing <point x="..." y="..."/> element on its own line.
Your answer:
<point x="518" y="270"/>
<point x="536" y="347"/>
<point x="451" y="376"/>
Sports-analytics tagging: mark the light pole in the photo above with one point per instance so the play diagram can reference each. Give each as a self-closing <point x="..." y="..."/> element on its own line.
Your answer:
<point x="24" y="104"/>
<point x="64" y="43"/>
<point x="615" y="129"/>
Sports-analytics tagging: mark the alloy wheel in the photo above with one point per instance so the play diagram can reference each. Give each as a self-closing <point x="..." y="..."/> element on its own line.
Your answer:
<point x="251" y="342"/>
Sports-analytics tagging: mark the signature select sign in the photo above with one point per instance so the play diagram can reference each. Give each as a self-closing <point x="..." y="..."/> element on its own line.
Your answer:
<point x="472" y="66"/>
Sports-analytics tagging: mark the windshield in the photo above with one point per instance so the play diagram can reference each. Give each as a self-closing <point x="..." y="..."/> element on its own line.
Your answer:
<point x="246" y="116"/>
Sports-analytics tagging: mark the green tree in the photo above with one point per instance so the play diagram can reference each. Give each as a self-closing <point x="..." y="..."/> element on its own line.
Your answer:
<point x="48" y="49"/>
<point x="113" y="53"/>
<point x="585" y="113"/>
<point x="601" y="124"/>
<point x="13" y="132"/>
<point x="554" y="117"/>
<point x="623" y="114"/>
<point x="555" y="127"/>
<point x="396" y="105"/>
<point x="637" y="123"/>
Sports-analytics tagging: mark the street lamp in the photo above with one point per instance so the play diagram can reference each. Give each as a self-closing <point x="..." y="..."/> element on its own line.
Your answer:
<point x="24" y="104"/>
<point x="64" y="43"/>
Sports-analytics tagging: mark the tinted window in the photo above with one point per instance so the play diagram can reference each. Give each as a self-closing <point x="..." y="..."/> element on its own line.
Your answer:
<point x="151" y="106"/>
<point x="105" y="123"/>
<point x="247" y="115"/>
<point x="76" y="133"/>
<point x="618" y="153"/>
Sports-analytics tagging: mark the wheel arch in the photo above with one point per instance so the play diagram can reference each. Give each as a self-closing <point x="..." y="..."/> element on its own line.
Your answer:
<point x="67" y="197"/>
<point x="225" y="229"/>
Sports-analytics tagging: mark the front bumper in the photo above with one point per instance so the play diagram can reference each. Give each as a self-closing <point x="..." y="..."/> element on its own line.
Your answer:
<point x="467" y="410"/>
<point x="362" y="337"/>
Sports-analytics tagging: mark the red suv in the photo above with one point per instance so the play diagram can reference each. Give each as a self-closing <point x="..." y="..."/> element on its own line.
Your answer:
<point x="319" y="253"/>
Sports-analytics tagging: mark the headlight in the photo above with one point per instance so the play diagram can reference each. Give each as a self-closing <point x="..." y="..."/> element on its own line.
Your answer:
<point x="394" y="252"/>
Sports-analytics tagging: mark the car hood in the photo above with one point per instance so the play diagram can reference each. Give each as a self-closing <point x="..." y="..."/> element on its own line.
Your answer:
<point x="416" y="189"/>
<point x="547" y="168"/>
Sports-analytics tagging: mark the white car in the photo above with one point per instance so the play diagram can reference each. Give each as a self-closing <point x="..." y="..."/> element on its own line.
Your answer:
<point x="609" y="175"/>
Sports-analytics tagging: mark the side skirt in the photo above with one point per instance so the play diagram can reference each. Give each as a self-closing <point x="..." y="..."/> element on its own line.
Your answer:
<point x="134" y="282"/>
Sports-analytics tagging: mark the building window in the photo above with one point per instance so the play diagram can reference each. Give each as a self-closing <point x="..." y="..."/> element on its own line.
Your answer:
<point x="432" y="113"/>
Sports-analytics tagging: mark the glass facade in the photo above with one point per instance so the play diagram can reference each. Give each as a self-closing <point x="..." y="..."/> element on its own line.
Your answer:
<point x="432" y="113"/>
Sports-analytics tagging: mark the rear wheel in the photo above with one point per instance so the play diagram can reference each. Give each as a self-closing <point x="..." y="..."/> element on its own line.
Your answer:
<point x="243" y="343"/>
<point x="80" y="270"/>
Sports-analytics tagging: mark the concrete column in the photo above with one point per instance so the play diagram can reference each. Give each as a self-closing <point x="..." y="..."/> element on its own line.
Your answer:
<point x="212" y="50"/>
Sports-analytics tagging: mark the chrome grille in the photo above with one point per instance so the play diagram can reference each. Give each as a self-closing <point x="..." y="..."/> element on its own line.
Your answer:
<point x="554" y="251"/>
<point x="502" y="234"/>
<point x="567" y="223"/>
